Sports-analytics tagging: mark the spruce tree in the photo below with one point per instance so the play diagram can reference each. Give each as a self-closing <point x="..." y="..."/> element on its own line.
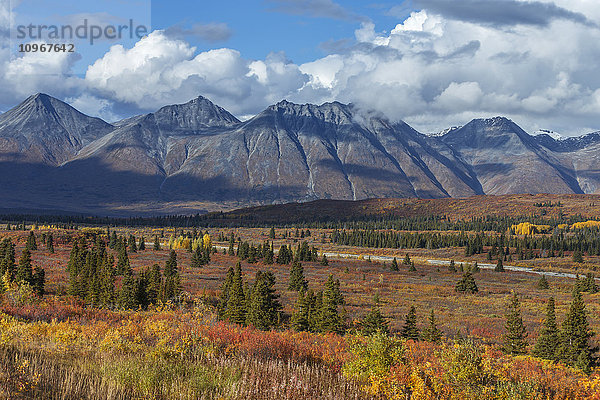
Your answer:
<point x="589" y="284"/>
<point x="197" y="259"/>
<point x="131" y="244"/>
<point x="467" y="284"/>
<point x="499" y="266"/>
<point x="324" y="261"/>
<point x="410" y="330"/>
<point x="141" y="289"/>
<point x="50" y="243"/>
<point x="374" y="322"/>
<point x="272" y="233"/>
<point x="123" y="266"/>
<point x="39" y="280"/>
<point x="264" y="306"/>
<point x="127" y="293"/>
<point x="113" y="241"/>
<point x="31" y="242"/>
<point x="171" y="286"/>
<point x="394" y="266"/>
<point x="548" y="341"/>
<point x="107" y="283"/>
<point x="171" y="265"/>
<point x="154" y="284"/>
<point x="24" y="269"/>
<point x="300" y="320"/>
<point x="452" y="266"/>
<point x="406" y="259"/>
<point x="156" y="243"/>
<point x="142" y="245"/>
<point x="431" y="333"/>
<point x="269" y="256"/>
<point x="577" y="256"/>
<point x="236" y="303"/>
<point x="575" y="335"/>
<point x="330" y="318"/>
<point x="224" y="296"/>
<point x="7" y="263"/>
<point x="515" y="338"/>
<point x="297" y="281"/>
<point x="543" y="284"/>
<point x="231" y="250"/>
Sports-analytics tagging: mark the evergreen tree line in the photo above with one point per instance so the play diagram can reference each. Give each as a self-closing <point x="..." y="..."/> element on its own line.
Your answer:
<point x="247" y="251"/>
<point x="21" y="272"/>
<point x="257" y="305"/>
<point x="525" y="247"/>
<point x="375" y="321"/>
<point x="569" y="344"/>
<point x="92" y="277"/>
<point x="317" y="311"/>
<point x="411" y="223"/>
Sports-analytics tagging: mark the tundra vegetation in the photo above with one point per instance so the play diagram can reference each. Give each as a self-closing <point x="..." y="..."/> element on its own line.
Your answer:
<point x="306" y="311"/>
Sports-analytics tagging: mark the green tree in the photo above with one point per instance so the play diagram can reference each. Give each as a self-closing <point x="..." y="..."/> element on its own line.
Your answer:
<point x="39" y="280"/>
<point x="548" y="341"/>
<point x="467" y="284"/>
<point x="31" y="242"/>
<point x="132" y="244"/>
<point x="394" y="266"/>
<point x="330" y="318"/>
<point x="156" y="243"/>
<point x="374" y="321"/>
<point x="224" y="295"/>
<point x="154" y="284"/>
<point x="123" y="266"/>
<point x="515" y="338"/>
<point x="24" y="269"/>
<point x="171" y="265"/>
<point x="264" y="306"/>
<point x="171" y="287"/>
<point x="499" y="266"/>
<point x="452" y="266"/>
<point x="410" y="330"/>
<point x="543" y="283"/>
<point x="300" y="320"/>
<point x="577" y="256"/>
<point x="575" y="335"/>
<point x="127" y="293"/>
<point x="272" y="233"/>
<point x="7" y="261"/>
<point x="431" y="333"/>
<point x="142" y="245"/>
<point x="297" y="280"/>
<point x="50" y="243"/>
<point x="197" y="260"/>
<point x="324" y="260"/>
<point x="236" y="302"/>
<point x="406" y="259"/>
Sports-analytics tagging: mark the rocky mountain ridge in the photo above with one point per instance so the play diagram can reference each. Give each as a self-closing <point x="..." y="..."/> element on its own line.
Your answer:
<point x="197" y="156"/>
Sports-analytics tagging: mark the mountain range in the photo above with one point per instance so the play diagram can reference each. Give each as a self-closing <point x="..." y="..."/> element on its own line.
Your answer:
<point x="197" y="156"/>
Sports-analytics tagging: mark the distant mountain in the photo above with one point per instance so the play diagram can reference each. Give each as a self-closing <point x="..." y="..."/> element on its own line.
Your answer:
<point x="45" y="130"/>
<point x="197" y="156"/>
<point x="505" y="159"/>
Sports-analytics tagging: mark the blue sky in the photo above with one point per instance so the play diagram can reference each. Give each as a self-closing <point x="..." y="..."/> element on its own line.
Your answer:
<point x="431" y="63"/>
<point x="259" y="27"/>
